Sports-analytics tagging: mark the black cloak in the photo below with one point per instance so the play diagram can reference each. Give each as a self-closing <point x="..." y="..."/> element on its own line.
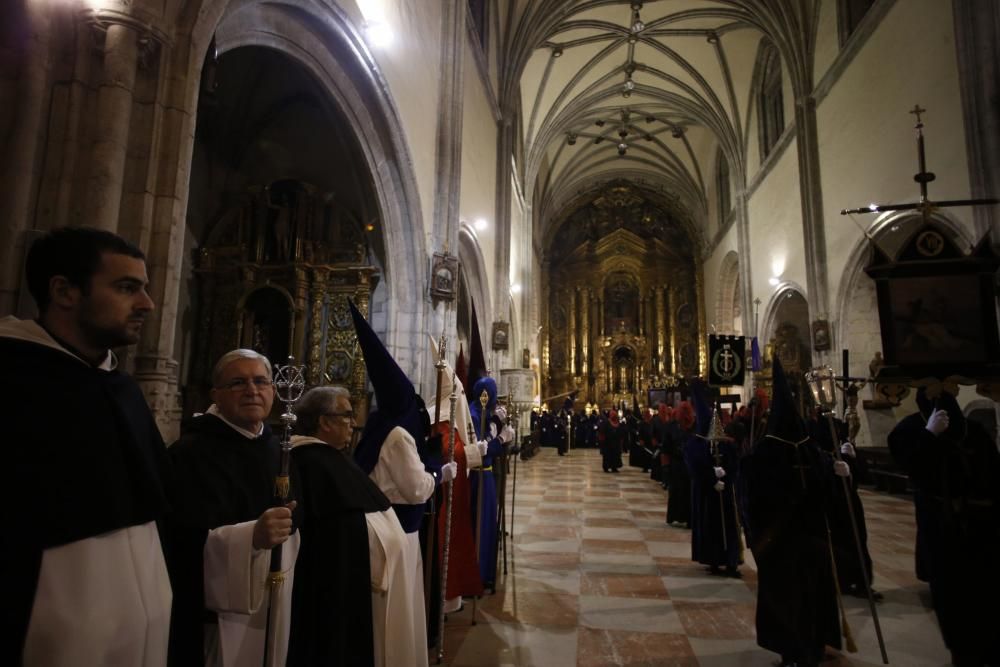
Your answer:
<point x="85" y="458"/>
<point x="331" y="596"/>
<point x="220" y="478"/>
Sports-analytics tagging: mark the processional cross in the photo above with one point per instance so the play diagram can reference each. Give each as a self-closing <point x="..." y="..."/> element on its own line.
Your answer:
<point x="923" y="177"/>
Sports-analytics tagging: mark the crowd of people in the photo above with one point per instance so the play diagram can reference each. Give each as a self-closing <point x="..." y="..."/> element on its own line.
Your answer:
<point x="786" y="486"/>
<point x="144" y="555"/>
<point x="132" y="553"/>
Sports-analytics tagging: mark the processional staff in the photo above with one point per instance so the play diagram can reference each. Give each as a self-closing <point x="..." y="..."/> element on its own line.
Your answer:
<point x="714" y="437"/>
<point x="431" y="524"/>
<point x="823" y="384"/>
<point x="484" y="399"/>
<point x="289" y="383"/>
<point x="449" y="499"/>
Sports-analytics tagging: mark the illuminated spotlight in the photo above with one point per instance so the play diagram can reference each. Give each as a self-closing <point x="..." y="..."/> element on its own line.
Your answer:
<point x="481" y="224"/>
<point x="773" y="282"/>
<point x="379" y="33"/>
<point x="515" y="288"/>
<point x="370" y="227"/>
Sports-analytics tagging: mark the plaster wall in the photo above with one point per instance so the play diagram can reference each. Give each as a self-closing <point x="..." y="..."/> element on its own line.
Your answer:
<point x="712" y="278"/>
<point x="866" y="112"/>
<point x="478" y="176"/>
<point x="827" y="38"/>
<point x="410" y="65"/>
<point x="775" y="214"/>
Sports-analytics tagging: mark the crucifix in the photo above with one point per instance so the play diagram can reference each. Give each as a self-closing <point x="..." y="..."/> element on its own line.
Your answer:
<point x="923" y="177"/>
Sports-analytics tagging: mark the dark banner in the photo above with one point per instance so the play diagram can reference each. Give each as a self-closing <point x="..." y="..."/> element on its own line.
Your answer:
<point x="727" y="357"/>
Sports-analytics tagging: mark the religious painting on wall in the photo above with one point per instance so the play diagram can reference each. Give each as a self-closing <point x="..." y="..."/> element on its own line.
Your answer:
<point x="821" y="335"/>
<point x="444" y="272"/>
<point x="501" y="335"/>
<point x="937" y="308"/>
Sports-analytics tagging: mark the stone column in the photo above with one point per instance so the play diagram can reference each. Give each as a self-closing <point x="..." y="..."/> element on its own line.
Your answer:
<point x="113" y="122"/>
<point x="660" y="330"/>
<point x="315" y="337"/>
<point x="572" y="331"/>
<point x="977" y="30"/>
<point x="585" y="326"/>
<point x="670" y="305"/>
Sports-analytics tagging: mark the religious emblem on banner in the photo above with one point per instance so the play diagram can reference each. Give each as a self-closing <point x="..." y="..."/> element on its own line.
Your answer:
<point x="727" y="360"/>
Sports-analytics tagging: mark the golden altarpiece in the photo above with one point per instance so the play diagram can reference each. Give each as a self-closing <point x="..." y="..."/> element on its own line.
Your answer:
<point x="622" y="313"/>
<point x="275" y="276"/>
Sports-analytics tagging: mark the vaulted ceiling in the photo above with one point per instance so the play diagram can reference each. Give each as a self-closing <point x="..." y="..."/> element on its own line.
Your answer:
<point x="647" y="91"/>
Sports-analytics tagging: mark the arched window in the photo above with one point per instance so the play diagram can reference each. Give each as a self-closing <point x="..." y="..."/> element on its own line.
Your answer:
<point x="722" y="187"/>
<point x="770" y="106"/>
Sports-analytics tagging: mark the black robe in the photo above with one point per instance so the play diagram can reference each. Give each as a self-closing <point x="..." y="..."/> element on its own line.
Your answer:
<point x="612" y="437"/>
<point x="331" y="596"/>
<point x="219" y="478"/>
<point x="957" y="499"/>
<point x="83" y="457"/>
<point x="715" y="530"/>
<point x="787" y="489"/>
<point x="850" y="574"/>
<point x="678" y="478"/>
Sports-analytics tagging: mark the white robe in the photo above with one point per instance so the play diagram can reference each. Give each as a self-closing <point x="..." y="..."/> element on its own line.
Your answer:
<point x="400" y="475"/>
<point x="237" y="588"/>
<point x="103" y="601"/>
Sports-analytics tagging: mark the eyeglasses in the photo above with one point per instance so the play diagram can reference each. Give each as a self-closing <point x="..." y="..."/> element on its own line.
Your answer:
<point x="349" y="415"/>
<point x="241" y="384"/>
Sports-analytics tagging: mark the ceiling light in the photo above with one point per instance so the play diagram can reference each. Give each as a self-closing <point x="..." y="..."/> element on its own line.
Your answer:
<point x="515" y="288"/>
<point x="629" y="84"/>
<point x="632" y="38"/>
<point x="622" y="149"/>
<point x="638" y="26"/>
<point x="379" y="33"/>
<point x="481" y="224"/>
<point x="557" y="51"/>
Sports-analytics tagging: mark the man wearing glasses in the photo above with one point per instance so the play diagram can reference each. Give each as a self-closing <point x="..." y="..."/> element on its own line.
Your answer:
<point x="223" y="527"/>
<point x="350" y="572"/>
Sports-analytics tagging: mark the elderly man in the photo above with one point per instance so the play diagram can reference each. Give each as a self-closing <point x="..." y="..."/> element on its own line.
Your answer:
<point x="349" y="571"/>
<point x="223" y="526"/>
<point x="87" y="584"/>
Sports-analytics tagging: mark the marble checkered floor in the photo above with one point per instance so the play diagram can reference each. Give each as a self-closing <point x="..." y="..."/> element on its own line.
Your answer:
<point x="596" y="578"/>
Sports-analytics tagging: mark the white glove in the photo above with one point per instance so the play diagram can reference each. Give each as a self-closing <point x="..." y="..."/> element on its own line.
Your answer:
<point x="719" y="472"/>
<point x="720" y="486"/>
<point x="938" y="422"/>
<point x="482" y="446"/>
<point x="847" y="449"/>
<point x="448" y="472"/>
<point x="500" y="412"/>
<point x="507" y="434"/>
<point x="841" y="469"/>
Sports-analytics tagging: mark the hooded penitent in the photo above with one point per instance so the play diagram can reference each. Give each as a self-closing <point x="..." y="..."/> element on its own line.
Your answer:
<point x="477" y="358"/>
<point x="450" y="380"/>
<point x="786" y="482"/>
<point x="397" y="401"/>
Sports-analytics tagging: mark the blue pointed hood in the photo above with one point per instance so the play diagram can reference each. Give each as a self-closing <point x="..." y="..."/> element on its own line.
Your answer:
<point x="702" y="406"/>
<point x="489" y="385"/>
<point x="397" y="401"/>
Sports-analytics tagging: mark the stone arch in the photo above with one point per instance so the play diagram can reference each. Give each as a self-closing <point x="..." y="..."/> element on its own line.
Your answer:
<point x="728" y="304"/>
<point x="776" y="308"/>
<point x="321" y="38"/>
<point x="857" y="323"/>
<point x="472" y="267"/>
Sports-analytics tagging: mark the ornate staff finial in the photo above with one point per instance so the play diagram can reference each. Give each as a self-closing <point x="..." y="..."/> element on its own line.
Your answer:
<point x="289" y="384"/>
<point x="916" y="111"/>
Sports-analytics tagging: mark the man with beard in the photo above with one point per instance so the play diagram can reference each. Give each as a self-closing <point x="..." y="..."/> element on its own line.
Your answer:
<point x="348" y="571"/>
<point x="787" y="482"/>
<point x="223" y="526"/>
<point x="954" y="468"/>
<point x="87" y="584"/>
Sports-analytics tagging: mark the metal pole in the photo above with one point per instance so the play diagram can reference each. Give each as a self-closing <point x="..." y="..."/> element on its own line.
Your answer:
<point x="857" y="542"/>
<point x="449" y="504"/>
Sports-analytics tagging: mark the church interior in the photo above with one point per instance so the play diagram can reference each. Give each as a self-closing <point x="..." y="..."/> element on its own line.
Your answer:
<point x="592" y="188"/>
